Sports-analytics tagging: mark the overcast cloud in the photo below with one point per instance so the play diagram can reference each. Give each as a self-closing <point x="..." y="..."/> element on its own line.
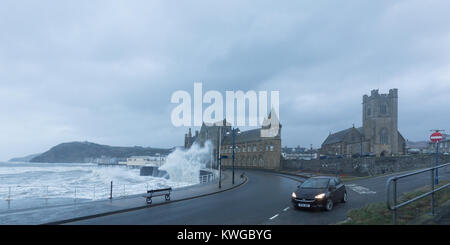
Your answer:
<point x="104" y="71"/>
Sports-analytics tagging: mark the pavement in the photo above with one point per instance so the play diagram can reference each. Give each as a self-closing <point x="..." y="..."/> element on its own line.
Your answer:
<point x="72" y="212"/>
<point x="264" y="200"/>
<point x="250" y="203"/>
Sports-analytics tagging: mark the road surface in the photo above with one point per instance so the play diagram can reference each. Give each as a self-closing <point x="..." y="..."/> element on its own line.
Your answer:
<point x="264" y="199"/>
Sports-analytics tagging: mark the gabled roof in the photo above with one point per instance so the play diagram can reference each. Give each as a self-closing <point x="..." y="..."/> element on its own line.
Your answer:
<point x="246" y="136"/>
<point x="340" y="136"/>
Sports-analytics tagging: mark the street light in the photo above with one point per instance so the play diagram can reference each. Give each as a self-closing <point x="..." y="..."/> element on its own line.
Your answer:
<point x="233" y="136"/>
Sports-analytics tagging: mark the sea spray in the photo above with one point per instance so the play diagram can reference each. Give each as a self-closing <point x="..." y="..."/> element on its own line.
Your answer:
<point x="184" y="165"/>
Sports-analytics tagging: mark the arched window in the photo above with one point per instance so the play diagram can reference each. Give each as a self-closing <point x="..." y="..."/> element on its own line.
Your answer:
<point x="384" y="136"/>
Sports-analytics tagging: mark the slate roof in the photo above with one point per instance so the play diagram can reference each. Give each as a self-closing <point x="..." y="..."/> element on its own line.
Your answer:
<point x="339" y="136"/>
<point x="245" y="136"/>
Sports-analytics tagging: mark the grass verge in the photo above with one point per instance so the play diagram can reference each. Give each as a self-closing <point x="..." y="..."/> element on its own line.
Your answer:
<point x="378" y="214"/>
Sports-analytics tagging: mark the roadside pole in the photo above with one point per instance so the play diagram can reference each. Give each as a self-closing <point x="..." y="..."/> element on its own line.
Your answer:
<point x="436" y="137"/>
<point x="337" y="168"/>
<point x="220" y="158"/>
<point x="232" y="138"/>
<point x="437" y="163"/>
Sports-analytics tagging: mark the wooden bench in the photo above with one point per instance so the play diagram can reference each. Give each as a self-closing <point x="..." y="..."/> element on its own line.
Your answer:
<point x="155" y="193"/>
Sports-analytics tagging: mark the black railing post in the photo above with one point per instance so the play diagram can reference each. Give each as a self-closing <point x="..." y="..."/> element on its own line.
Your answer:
<point x="110" y="192"/>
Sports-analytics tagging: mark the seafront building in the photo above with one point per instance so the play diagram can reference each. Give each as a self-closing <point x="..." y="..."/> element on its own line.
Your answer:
<point x="256" y="148"/>
<point x="139" y="161"/>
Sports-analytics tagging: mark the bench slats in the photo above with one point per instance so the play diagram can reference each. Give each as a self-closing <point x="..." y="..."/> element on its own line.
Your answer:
<point x="159" y="192"/>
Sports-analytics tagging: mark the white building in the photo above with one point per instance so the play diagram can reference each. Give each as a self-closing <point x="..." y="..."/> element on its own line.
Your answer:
<point x="139" y="161"/>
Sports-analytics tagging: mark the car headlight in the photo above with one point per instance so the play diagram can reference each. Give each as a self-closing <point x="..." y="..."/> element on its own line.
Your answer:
<point x="320" y="196"/>
<point x="293" y="195"/>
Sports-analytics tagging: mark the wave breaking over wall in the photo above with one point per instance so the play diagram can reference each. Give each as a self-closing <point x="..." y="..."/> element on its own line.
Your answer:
<point x="185" y="165"/>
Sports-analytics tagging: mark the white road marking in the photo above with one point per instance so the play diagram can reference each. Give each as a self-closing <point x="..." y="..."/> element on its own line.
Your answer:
<point x="285" y="209"/>
<point x="276" y="215"/>
<point x="360" y="189"/>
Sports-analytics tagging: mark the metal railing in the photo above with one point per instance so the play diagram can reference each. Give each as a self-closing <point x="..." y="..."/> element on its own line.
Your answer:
<point x="431" y="192"/>
<point x="28" y="196"/>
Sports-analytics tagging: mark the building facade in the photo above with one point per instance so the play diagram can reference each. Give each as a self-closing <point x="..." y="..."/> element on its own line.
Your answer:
<point x="253" y="148"/>
<point x="379" y="134"/>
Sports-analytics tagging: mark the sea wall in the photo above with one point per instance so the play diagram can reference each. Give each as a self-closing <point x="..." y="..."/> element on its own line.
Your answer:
<point x="364" y="166"/>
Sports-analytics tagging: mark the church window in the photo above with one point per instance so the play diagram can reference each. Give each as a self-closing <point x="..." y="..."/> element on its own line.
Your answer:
<point x="368" y="111"/>
<point x="384" y="136"/>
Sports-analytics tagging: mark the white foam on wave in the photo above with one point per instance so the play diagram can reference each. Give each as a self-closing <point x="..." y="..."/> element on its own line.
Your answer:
<point x="87" y="181"/>
<point x="90" y="181"/>
<point x="185" y="165"/>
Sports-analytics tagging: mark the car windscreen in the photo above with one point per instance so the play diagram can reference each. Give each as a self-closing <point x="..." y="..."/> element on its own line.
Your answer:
<point x="315" y="183"/>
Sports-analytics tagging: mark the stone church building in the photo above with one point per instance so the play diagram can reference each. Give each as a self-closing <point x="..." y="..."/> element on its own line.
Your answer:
<point x="253" y="148"/>
<point x="379" y="133"/>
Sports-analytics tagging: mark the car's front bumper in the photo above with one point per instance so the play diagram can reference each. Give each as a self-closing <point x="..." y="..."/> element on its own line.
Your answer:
<point x="308" y="203"/>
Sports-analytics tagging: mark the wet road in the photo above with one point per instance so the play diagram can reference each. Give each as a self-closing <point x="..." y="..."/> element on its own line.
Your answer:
<point x="264" y="199"/>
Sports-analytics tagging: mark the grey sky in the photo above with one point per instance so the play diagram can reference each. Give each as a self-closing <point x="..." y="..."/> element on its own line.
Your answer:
<point x="104" y="71"/>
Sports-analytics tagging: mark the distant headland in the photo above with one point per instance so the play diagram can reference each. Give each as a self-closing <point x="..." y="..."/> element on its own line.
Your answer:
<point x="84" y="152"/>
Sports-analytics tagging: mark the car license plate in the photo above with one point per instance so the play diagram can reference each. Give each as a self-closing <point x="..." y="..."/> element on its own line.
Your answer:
<point x="303" y="205"/>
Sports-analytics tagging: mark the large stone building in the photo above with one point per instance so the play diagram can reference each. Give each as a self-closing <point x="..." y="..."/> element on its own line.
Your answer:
<point x="378" y="135"/>
<point x="253" y="148"/>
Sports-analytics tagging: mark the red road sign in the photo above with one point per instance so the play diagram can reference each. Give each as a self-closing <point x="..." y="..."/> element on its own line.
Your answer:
<point x="436" y="137"/>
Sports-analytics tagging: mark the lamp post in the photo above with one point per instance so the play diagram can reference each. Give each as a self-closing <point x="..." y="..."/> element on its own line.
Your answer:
<point x="233" y="137"/>
<point x="233" y="143"/>
<point x="220" y="158"/>
<point x="361" y="152"/>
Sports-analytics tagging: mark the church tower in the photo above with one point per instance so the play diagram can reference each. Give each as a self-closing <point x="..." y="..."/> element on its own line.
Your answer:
<point x="380" y="122"/>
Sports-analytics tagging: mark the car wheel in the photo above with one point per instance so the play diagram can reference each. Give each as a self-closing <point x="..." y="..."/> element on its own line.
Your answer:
<point x="344" y="198"/>
<point x="329" y="205"/>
